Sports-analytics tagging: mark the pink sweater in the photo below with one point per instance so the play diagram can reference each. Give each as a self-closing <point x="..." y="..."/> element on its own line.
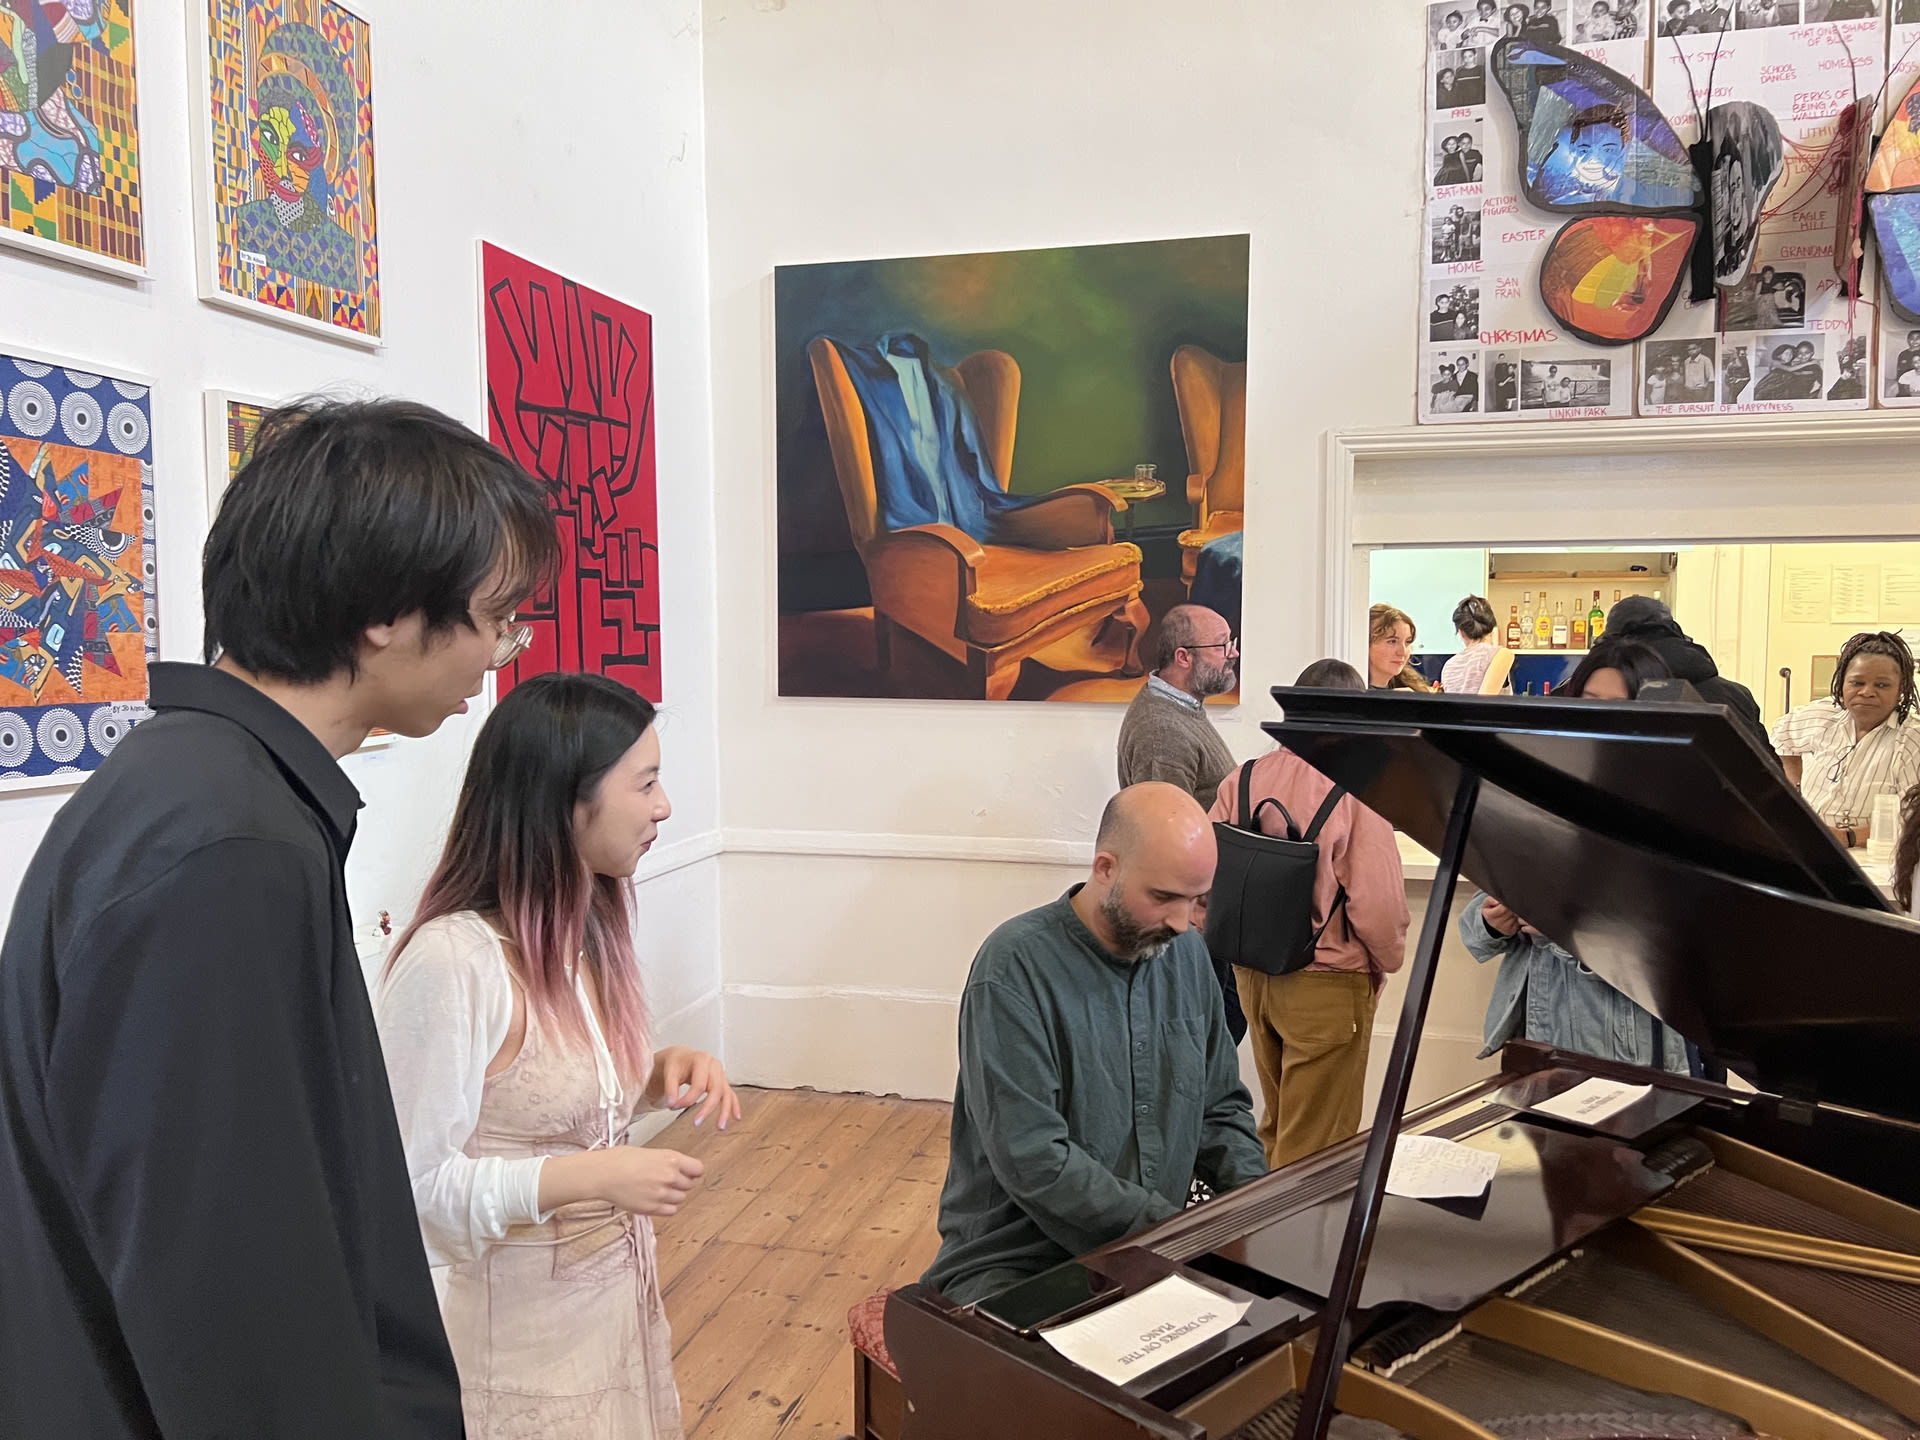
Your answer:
<point x="1357" y="850"/>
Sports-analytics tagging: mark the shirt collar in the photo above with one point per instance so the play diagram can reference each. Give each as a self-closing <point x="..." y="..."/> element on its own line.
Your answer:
<point x="1171" y="692"/>
<point x="301" y="756"/>
<point x="1078" y="932"/>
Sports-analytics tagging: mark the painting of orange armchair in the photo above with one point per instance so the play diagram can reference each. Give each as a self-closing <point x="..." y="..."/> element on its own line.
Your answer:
<point x="1212" y="395"/>
<point x="1059" y="590"/>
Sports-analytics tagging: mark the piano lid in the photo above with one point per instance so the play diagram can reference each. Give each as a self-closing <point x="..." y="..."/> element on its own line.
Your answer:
<point x="1663" y="847"/>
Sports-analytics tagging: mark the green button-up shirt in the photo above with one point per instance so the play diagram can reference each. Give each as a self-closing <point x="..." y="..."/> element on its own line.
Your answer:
<point x="1092" y="1090"/>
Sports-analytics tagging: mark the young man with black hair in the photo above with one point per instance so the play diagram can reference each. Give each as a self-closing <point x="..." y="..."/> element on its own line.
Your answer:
<point x="206" y="1223"/>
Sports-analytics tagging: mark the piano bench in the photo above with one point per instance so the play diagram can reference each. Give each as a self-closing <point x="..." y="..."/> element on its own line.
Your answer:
<point x="879" y="1408"/>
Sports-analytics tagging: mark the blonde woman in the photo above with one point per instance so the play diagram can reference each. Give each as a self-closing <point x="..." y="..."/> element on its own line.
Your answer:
<point x="1390" y="641"/>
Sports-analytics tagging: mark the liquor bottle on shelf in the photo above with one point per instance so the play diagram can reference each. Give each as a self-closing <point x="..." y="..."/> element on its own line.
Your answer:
<point x="1513" y="627"/>
<point x="1577" y="628"/>
<point x="1526" y="623"/>
<point x="1543" y="626"/>
<point x="1559" y="625"/>
<point x="1596" y="621"/>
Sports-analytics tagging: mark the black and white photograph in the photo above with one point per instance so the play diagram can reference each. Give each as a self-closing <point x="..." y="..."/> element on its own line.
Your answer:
<point x="1561" y="384"/>
<point x="1850" y="371"/>
<point x="1788" y="367"/>
<point x="1453" y="311"/>
<point x="1692" y="17"/>
<point x="1453" y="382"/>
<point x="1501" y="381"/>
<point x="1766" y="14"/>
<point x="1458" y="156"/>
<point x="1545" y="24"/>
<point x="1456" y="232"/>
<point x="1772" y="300"/>
<point x="1747" y="153"/>
<point x="1736" y="373"/>
<point x="1600" y="22"/>
<point x="1902" y="370"/>
<point x="1906" y="12"/>
<point x="1831" y="12"/>
<point x="1678" y="372"/>
<point x="1460" y="80"/>
<point x="1465" y="25"/>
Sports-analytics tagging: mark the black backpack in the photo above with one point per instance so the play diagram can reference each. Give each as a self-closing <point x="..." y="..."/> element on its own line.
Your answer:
<point x="1260" y="913"/>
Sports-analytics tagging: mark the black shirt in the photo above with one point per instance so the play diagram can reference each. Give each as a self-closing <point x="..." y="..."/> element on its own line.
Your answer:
<point x="206" y="1225"/>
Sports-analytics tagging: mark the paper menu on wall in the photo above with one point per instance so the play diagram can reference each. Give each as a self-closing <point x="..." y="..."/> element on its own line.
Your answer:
<point x="1856" y="595"/>
<point x="1128" y="1338"/>
<point x="1809" y="594"/>
<point x="1427" y="1168"/>
<point x="1900" y="595"/>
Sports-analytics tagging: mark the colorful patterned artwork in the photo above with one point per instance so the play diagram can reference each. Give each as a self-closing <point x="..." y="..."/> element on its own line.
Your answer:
<point x="570" y="396"/>
<point x="294" y="232"/>
<point x="243" y="423"/>
<point x="78" y="624"/>
<point x="69" y="131"/>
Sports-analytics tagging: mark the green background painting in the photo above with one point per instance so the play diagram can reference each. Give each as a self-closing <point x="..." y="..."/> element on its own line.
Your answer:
<point x="1093" y="328"/>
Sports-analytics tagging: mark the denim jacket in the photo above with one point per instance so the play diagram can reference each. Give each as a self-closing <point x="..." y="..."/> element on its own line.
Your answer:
<point x="1543" y="993"/>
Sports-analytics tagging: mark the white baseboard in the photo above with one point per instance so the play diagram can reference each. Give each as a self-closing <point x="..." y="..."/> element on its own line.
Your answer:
<point x="843" y="1038"/>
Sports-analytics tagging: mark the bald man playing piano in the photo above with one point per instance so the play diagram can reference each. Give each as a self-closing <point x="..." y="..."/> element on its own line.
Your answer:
<point x="1097" y="1077"/>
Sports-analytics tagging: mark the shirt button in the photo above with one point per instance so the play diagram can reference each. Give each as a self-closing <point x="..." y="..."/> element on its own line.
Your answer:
<point x="1140" y="1048"/>
<point x="1148" y="1172"/>
<point x="1143" y="1109"/>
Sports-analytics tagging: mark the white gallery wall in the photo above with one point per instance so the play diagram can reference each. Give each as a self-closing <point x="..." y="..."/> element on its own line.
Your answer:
<point x="872" y="845"/>
<point x="477" y="137"/>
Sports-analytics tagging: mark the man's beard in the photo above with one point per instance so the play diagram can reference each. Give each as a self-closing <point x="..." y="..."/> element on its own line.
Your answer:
<point x="1210" y="679"/>
<point x="1131" y="940"/>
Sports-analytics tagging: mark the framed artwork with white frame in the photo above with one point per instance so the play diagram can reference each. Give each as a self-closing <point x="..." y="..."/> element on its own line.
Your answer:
<point x="79" y="618"/>
<point x="233" y="420"/>
<point x="70" y="182"/>
<point x="284" y="204"/>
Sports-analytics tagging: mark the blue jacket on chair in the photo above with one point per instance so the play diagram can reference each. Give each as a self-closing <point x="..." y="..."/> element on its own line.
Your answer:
<point x="930" y="466"/>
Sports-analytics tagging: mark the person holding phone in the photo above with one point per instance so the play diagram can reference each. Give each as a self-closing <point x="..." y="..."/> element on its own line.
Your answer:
<point x="517" y="1047"/>
<point x="1097" y="1077"/>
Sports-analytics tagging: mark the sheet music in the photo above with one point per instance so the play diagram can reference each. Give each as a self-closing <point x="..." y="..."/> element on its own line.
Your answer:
<point x="1427" y="1168"/>
<point x="1128" y="1338"/>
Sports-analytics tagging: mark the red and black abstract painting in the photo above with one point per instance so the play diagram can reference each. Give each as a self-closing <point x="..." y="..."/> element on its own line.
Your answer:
<point x="570" y="396"/>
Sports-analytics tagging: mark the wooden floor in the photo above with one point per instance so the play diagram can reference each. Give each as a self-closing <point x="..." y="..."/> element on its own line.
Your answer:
<point x="810" y="1202"/>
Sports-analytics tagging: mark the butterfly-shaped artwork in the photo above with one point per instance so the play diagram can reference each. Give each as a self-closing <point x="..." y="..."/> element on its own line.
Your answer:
<point x="1893" y="200"/>
<point x="1595" y="146"/>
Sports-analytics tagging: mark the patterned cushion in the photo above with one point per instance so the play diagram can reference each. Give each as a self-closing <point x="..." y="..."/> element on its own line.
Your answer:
<point x="866" y="1322"/>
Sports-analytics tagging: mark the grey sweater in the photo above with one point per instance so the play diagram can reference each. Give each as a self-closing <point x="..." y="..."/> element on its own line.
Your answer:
<point x="1161" y="739"/>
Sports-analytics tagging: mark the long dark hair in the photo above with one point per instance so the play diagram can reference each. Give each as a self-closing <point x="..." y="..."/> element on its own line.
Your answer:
<point x="1878" y="642"/>
<point x="511" y="854"/>
<point x="1636" y="663"/>
<point x="1906" y="854"/>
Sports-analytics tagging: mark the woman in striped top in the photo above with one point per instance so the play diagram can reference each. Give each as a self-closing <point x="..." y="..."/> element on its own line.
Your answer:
<point x="1864" y="746"/>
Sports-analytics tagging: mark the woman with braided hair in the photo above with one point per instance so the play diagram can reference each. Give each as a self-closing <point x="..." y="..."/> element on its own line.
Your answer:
<point x="1857" y="743"/>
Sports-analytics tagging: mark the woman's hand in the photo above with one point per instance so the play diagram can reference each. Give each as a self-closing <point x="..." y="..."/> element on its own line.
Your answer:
<point x="634" y="1178"/>
<point x="697" y="1074"/>
<point x="1502" y="921"/>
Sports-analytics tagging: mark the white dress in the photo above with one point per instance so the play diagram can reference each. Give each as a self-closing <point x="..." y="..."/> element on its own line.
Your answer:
<point x="556" y="1320"/>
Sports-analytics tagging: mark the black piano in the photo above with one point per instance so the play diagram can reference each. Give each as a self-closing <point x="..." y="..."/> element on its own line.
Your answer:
<point x="1712" y="1261"/>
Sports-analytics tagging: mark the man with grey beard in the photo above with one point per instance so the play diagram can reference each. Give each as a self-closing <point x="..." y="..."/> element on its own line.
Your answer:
<point x="1165" y="734"/>
<point x="1097" y="1077"/>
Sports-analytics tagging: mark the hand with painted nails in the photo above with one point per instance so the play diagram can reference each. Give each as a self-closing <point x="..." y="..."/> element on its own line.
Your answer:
<point x="682" y="1078"/>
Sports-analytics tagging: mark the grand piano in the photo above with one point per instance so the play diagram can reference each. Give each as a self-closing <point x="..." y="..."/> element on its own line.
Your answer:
<point x="1713" y="1261"/>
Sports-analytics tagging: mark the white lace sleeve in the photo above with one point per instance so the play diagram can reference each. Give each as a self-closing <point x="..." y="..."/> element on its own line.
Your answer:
<point x="444" y="1009"/>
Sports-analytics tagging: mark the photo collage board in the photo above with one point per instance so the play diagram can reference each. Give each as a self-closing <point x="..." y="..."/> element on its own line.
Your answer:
<point x="1489" y="348"/>
<point x="1790" y="338"/>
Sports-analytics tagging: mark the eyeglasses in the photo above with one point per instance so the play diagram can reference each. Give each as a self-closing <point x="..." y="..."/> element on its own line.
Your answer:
<point x="1231" y="646"/>
<point x="513" y="641"/>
